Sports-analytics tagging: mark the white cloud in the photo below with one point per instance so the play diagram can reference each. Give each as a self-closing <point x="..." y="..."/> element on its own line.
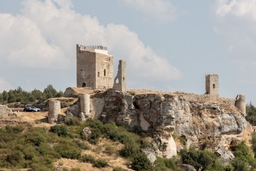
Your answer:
<point x="238" y="8"/>
<point x="235" y="20"/>
<point x="161" y="10"/>
<point x="45" y="34"/>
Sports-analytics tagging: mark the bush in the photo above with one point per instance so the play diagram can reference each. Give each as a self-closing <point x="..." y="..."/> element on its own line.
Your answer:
<point x="75" y="169"/>
<point x="119" y="169"/>
<point x="45" y="150"/>
<point x="40" y="167"/>
<point x="198" y="158"/>
<point x="87" y="158"/>
<point x="100" y="163"/>
<point x="94" y="136"/>
<point x="15" y="157"/>
<point x="243" y="157"/>
<point x="130" y="149"/>
<point x="68" y="149"/>
<point x="61" y="130"/>
<point x="109" y="150"/>
<point x="141" y="163"/>
<point x="35" y="138"/>
<point x="164" y="164"/>
<point x="251" y="114"/>
<point x="82" y="145"/>
<point x="73" y="121"/>
<point x="14" y="129"/>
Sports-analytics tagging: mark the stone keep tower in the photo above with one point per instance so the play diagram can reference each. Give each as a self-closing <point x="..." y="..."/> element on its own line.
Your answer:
<point x="212" y="84"/>
<point x="94" y="67"/>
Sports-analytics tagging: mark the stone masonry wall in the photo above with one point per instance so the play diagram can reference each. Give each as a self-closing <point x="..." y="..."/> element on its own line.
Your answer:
<point x="94" y="70"/>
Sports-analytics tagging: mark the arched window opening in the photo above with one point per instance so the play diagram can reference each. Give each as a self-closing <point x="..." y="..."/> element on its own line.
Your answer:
<point x="98" y="74"/>
<point x="84" y="85"/>
<point x="213" y="86"/>
<point x="117" y="81"/>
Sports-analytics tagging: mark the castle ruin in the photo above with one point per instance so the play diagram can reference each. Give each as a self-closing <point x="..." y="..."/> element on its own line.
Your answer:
<point x="94" y="67"/>
<point x="212" y="84"/>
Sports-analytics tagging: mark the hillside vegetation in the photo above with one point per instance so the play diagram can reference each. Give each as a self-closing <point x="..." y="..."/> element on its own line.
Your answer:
<point x="91" y="145"/>
<point x="41" y="148"/>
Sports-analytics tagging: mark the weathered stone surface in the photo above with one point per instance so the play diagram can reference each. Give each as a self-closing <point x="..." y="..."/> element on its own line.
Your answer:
<point x="225" y="155"/>
<point x="69" y="115"/>
<point x="187" y="167"/>
<point x="150" y="154"/>
<point x="86" y="132"/>
<point x="214" y="123"/>
<point x="4" y="111"/>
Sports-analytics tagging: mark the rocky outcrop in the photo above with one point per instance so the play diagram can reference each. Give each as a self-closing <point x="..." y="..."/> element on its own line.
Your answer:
<point x="205" y="122"/>
<point x="4" y="111"/>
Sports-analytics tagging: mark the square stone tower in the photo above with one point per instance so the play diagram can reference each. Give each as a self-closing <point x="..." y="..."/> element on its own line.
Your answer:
<point x="94" y="67"/>
<point x="212" y="84"/>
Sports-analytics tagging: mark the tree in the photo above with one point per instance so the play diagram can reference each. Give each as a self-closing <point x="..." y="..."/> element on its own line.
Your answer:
<point x="5" y="96"/>
<point x="50" y="91"/>
<point x="251" y="114"/>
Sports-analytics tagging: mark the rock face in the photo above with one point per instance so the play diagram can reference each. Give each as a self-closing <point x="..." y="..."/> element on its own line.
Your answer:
<point x="4" y="111"/>
<point x="203" y="120"/>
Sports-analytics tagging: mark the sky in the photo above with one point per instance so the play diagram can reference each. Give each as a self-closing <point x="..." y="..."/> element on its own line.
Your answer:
<point x="168" y="45"/>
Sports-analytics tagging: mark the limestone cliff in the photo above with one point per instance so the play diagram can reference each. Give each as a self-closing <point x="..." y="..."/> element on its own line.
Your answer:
<point x="205" y="121"/>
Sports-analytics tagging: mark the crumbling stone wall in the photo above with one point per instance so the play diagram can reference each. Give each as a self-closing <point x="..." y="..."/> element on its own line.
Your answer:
<point x="241" y="103"/>
<point x="54" y="111"/>
<point x="85" y="106"/>
<point x="212" y="84"/>
<point x="120" y="79"/>
<point x="94" y="68"/>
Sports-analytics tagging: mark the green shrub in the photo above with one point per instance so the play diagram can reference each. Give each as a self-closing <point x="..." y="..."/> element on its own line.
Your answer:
<point x="29" y="152"/>
<point x="141" y="163"/>
<point x="40" y="167"/>
<point x="87" y="158"/>
<point x="100" y="163"/>
<point x="61" y="130"/>
<point x="110" y="150"/>
<point x="75" y="169"/>
<point x="35" y="138"/>
<point x="243" y="157"/>
<point x="94" y="136"/>
<point x="118" y="169"/>
<point x="46" y="150"/>
<point x="15" y="157"/>
<point x="165" y="164"/>
<point x="82" y="145"/>
<point x="130" y="149"/>
<point x="198" y="158"/>
<point x="74" y="121"/>
<point x="14" y="129"/>
<point x="68" y="149"/>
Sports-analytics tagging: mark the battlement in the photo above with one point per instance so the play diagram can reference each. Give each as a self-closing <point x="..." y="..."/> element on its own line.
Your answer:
<point x="94" y="48"/>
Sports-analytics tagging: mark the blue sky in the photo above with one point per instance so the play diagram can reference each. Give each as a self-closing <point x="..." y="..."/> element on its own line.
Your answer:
<point x="168" y="45"/>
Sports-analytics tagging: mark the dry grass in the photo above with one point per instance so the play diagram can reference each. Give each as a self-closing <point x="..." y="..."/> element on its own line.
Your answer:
<point x="97" y="151"/>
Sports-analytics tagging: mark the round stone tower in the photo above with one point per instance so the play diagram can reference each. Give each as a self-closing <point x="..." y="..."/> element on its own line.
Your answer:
<point x="240" y="103"/>
<point x="85" y="105"/>
<point x="54" y="111"/>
